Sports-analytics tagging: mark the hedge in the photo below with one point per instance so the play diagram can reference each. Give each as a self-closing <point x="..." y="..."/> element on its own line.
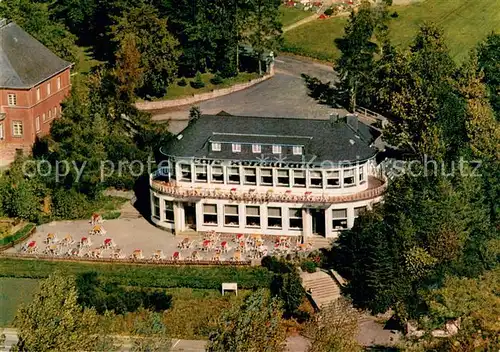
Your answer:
<point x="144" y="275"/>
<point x="18" y="235"/>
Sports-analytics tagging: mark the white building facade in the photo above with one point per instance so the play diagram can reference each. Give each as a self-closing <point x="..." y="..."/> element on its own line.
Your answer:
<point x="248" y="179"/>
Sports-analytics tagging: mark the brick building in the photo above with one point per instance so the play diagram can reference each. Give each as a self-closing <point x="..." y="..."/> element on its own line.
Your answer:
<point x="33" y="83"/>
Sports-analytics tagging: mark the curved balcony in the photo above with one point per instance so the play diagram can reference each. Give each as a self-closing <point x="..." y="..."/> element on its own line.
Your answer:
<point x="376" y="188"/>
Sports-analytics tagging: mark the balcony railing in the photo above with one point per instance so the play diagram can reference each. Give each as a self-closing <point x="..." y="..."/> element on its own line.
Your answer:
<point x="376" y="188"/>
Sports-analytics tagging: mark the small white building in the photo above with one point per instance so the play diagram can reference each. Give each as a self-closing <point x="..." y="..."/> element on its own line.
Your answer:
<point x="263" y="175"/>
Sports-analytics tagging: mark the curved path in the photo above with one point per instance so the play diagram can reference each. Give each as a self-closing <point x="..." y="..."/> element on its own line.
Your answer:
<point x="283" y="95"/>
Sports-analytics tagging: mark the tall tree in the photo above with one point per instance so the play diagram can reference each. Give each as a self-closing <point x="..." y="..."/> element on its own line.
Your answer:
<point x="419" y="98"/>
<point x="265" y="28"/>
<point x="128" y="71"/>
<point x="54" y="321"/>
<point x="357" y="48"/>
<point x="489" y="58"/>
<point x="158" y="48"/>
<point x="256" y="326"/>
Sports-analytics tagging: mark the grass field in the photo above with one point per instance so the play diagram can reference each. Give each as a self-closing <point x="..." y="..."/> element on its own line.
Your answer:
<point x="176" y="91"/>
<point x="192" y="315"/>
<point x="465" y="23"/>
<point x="13" y="292"/>
<point x="291" y="15"/>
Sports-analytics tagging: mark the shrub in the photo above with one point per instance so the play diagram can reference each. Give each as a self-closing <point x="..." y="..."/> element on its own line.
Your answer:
<point x="217" y="79"/>
<point x="309" y="266"/>
<point x="277" y="265"/>
<point x="329" y="12"/>
<point x="288" y="287"/>
<point x="182" y="82"/>
<point x="395" y="14"/>
<point x="110" y="215"/>
<point x="198" y="81"/>
<point x="69" y="204"/>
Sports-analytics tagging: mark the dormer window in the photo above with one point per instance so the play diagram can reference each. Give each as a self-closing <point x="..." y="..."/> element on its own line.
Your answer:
<point x="276" y="149"/>
<point x="297" y="150"/>
<point x="256" y="148"/>
<point x="236" y="148"/>
<point x="216" y="147"/>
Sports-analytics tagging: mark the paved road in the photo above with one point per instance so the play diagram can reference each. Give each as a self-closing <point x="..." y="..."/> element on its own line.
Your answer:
<point x="295" y="344"/>
<point x="283" y="95"/>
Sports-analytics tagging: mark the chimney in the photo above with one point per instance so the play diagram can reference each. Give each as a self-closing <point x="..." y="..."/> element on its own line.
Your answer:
<point x="352" y="121"/>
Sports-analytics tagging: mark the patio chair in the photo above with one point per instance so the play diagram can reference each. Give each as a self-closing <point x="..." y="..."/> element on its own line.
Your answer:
<point x="176" y="256"/>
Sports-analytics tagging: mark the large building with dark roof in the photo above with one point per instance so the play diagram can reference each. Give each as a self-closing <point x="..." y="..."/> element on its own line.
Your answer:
<point x="270" y="176"/>
<point x="33" y="83"/>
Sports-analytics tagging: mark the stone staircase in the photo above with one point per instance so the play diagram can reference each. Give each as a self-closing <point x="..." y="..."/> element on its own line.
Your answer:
<point x="128" y="211"/>
<point x="319" y="242"/>
<point x="324" y="289"/>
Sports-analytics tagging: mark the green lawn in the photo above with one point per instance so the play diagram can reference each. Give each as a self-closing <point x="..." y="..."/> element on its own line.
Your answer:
<point x="13" y="292"/>
<point x="465" y="22"/>
<point x="290" y="15"/>
<point x="176" y="91"/>
<point x="192" y="315"/>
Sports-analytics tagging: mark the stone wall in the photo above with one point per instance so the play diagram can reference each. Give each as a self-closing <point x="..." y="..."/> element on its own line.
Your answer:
<point x="165" y="104"/>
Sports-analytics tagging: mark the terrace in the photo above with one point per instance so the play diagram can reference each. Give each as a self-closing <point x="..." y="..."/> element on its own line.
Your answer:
<point x="376" y="187"/>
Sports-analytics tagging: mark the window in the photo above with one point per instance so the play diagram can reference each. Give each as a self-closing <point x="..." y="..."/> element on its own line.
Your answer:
<point x="48" y="88"/>
<point x="43" y="117"/>
<point x="12" y="99"/>
<point x="299" y="178"/>
<point x="256" y="148"/>
<point x="210" y="214"/>
<point x="316" y="179"/>
<point x="362" y="175"/>
<point x="37" y="123"/>
<point x="295" y="218"/>
<point x="332" y="179"/>
<point x="2" y="136"/>
<point x="266" y="177"/>
<point x="201" y="173"/>
<point x="55" y="112"/>
<point x="169" y="211"/>
<point x="216" y="147"/>
<point x="359" y="210"/>
<point x="231" y="217"/>
<point x="252" y="216"/>
<point x="274" y="217"/>
<point x="58" y="83"/>
<point x="185" y="172"/>
<point x="283" y="177"/>
<point x="236" y="148"/>
<point x="50" y="114"/>
<point x="349" y="178"/>
<point x="17" y="128"/>
<point x="250" y="176"/>
<point x="276" y="149"/>
<point x="297" y="150"/>
<point x="233" y="175"/>
<point x="217" y="174"/>
<point x="37" y="94"/>
<point x="156" y="207"/>
<point x="339" y="217"/>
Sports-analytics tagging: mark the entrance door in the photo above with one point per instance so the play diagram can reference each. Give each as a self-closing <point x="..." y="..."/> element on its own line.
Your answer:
<point x="318" y="221"/>
<point x="190" y="216"/>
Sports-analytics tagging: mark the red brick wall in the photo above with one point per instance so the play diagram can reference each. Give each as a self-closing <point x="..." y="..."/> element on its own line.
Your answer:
<point x="27" y="109"/>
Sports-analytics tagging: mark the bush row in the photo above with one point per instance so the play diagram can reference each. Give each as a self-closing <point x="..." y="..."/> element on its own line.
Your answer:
<point x="144" y="275"/>
<point x="16" y="236"/>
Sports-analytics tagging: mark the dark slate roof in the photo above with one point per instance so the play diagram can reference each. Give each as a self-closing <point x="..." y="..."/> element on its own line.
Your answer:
<point x="322" y="140"/>
<point x="24" y="61"/>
